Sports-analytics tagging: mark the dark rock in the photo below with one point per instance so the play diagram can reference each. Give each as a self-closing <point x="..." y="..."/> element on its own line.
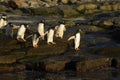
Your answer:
<point x="11" y="68"/>
<point x="68" y="11"/>
<point x="94" y="64"/>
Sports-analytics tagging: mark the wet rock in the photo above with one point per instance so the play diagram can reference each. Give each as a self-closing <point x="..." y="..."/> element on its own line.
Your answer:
<point x="94" y="64"/>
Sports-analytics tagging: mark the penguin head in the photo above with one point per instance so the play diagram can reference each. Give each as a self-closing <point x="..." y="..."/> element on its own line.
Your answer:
<point x="42" y="21"/>
<point x="10" y="24"/>
<point x="77" y="24"/>
<point x="78" y="31"/>
<point x="4" y="16"/>
<point x="62" y="22"/>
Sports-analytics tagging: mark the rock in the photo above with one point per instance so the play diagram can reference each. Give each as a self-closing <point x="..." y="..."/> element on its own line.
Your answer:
<point x="81" y="7"/>
<point x="64" y="1"/>
<point x="21" y="3"/>
<point x="87" y="8"/>
<point x="3" y="8"/>
<point x="110" y="51"/>
<point x="115" y="7"/>
<point x="55" y="66"/>
<point x="115" y="33"/>
<point x="94" y="64"/>
<point x="73" y="1"/>
<point x="70" y="24"/>
<point x="68" y="11"/>
<point x="106" y="7"/>
<point x="108" y="22"/>
<point x="90" y="6"/>
<point x="88" y="28"/>
<point x="45" y="11"/>
<point x="11" y="68"/>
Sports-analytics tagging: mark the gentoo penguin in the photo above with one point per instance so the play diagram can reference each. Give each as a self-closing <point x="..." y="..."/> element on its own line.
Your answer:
<point x="76" y="38"/>
<point x="3" y="21"/>
<point x="41" y="28"/>
<point x="60" y="30"/>
<point x="50" y="35"/>
<point x="35" y="39"/>
<point x="21" y="32"/>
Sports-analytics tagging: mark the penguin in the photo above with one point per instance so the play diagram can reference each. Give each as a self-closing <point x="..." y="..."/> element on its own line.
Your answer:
<point x="41" y="29"/>
<point x="60" y="30"/>
<point x="3" y="22"/>
<point x="35" y="39"/>
<point x="21" y="32"/>
<point x="50" y="35"/>
<point x="76" y="38"/>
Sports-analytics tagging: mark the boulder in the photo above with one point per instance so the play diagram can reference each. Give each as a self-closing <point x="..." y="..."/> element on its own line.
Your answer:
<point x="11" y="68"/>
<point x="64" y="1"/>
<point x="94" y="64"/>
<point x="109" y="51"/>
<point x="54" y="66"/>
<point x="68" y="11"/>
<point x="21" y="3"/>
<point x="106" y="7"/>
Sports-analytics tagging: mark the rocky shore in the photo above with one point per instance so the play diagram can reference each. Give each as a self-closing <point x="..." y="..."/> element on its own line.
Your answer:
<point x="98" y="19"/>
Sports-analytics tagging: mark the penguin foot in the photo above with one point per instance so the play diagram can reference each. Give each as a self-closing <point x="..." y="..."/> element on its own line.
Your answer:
<point x="53" y="42"/>
<point x="21" y="40"/>
<point x="77" y="49"/>
<point x="35" y="46"/>
<point x="49" y="43"/>
<point x="24" y="40"/>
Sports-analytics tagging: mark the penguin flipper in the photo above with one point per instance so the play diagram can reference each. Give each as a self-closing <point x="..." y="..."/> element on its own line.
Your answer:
<point x="56" y="27"/>
<point x="70" y="38"/>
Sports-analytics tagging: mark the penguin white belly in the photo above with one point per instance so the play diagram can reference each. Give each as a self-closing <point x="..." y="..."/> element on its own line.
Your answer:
<point x="50" y="36"/>
<point x="60" y="31"/>
<point x="41" y="29"/>
<point x="21" y="32"/>
<point x="77" y="40"/>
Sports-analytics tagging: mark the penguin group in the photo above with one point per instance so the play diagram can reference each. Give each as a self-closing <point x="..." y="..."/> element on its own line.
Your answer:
<point x="40" y="33"/>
